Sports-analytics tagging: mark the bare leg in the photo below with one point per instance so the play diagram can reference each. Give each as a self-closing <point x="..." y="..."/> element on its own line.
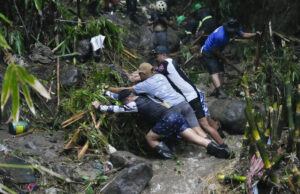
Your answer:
<point x="153" y="139"/>
<point x="221" y="78"/>
<point x="191" y="136"/>
<point x="210" y="130"/>
<point x="199" y="131"/>
<point x="212" y="123"/>
<point x="216" y="80"/>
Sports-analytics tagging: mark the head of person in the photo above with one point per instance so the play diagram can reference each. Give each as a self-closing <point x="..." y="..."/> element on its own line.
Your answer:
<point x="232" y="27"/>
<point x="161" y="53"/>
<point x="197" y="6"/>
<point x="161" y="6"/>
<point x="126" y="96"/>
<point x="180" y="20"/>
<point x="145" y="71"/>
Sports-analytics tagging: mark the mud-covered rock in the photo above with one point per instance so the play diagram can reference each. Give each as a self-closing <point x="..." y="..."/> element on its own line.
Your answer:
<point x="130" y="180"/>
<point x="84" y="49"/>
<point x="125" y="159"/>
<point x="70" y="76"/>
<point x="41" y="53"/>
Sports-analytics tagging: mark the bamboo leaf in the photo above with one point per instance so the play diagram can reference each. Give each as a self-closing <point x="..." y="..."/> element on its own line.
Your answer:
<point x="24" y="75"/>
<point x="3" y="42"/>
<point x="26" y="3"/>
<point x="38" y="4"/>
<point x="6" y="86"/>
<point x="5" y="18"/>
<point x="40" y="89"/>
<point x="15" y="96"/>
<point x="28" y="98"/>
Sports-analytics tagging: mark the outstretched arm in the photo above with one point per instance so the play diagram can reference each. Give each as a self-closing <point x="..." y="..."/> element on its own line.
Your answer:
<point x="130" y="107"/>
<point x="116" y="90"/>
<point x="250" y="35"/>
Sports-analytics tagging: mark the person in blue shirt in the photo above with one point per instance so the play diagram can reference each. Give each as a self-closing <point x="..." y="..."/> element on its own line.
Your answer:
<point x="212" y="52"/>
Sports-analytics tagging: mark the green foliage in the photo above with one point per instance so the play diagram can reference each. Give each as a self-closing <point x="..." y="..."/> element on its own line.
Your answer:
<point x="16" y="40"/>
<point x="16" y="75"/>
<point x="92" y="28"/>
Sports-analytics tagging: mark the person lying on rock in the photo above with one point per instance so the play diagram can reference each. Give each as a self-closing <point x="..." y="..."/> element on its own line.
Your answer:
<point x="183" y="85"/>
<point x="157" y="87"/>
<point x="160" y="19"/>
<point x="165" y="122"/>
<point x="212" y="52"/>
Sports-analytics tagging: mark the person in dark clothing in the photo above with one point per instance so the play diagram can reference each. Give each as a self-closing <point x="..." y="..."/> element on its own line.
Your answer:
<point x="206" y="23"/>
<point x="190" y="27"/>
<point x="165" y="123"/>
<point x="131" y="11"/>
<point x="114" y="4"/>
<point x="160" y="19"/>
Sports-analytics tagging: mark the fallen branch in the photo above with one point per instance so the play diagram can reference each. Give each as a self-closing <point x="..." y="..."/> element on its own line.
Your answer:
<point x="75" y="135"/>
<point x="83" y="150"/>
<point x="73" y="119"/>
<point x="58" y="84"/>
<point x="129" y="54"/>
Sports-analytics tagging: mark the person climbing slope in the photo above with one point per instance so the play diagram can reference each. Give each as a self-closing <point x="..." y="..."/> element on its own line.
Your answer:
<point x="183" y="85"/>
<point x="212" y="54"/>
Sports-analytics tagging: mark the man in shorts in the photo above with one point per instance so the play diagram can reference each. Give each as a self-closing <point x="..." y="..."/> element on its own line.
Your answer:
<point x="183" y="85"/>
<point x="212" y="52"/>
<point x="157" y="88"/>
<point x="165" y="123"/>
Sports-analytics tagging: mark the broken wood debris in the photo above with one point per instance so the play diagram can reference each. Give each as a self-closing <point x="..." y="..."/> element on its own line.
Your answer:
<point x="73" y="119"/>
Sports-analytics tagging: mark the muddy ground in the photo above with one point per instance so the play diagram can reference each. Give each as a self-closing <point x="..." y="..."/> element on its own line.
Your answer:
<point x="193" y="171"/>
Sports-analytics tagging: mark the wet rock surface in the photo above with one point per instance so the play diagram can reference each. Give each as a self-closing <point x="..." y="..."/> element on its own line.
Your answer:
<point x="130" y="180"/>
<point x="191" y="172"/>
<point x="230" y="113"/>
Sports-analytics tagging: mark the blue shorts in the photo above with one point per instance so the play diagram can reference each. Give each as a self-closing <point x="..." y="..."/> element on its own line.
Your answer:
<point x="173" y="123"/>
<point x="204" y="107"/>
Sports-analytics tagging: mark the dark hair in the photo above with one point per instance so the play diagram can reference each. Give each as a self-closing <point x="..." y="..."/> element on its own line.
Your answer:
<point x="123" y="94"/>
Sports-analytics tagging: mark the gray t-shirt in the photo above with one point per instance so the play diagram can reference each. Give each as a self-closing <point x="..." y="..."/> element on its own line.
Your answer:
<point x="159" y="86"/>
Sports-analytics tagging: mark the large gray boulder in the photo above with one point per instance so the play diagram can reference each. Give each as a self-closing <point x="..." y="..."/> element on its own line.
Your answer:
<point x="230" y="113"/>
<point x="125" y="159"/>
<point x="142" y="37"/>
<point x="130" y="180"/>
<point x="134" y="176"/>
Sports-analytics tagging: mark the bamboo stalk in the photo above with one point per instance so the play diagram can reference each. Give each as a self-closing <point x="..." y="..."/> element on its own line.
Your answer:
<point x="37" y="167"/>
<point x="297" y="116"/>
<point x="296" y="174"/>
<point x="231" y="177"/>
<point x="5" y="190"/>
<point x="74" y="117"/>
<point x="274" y="122"/>
<point x="58" y="84"/>
<point x="83" y="150"/>
<point x="253" y="127"/>
<point x="292" y="136"/>
<point x="75" y="135"/>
